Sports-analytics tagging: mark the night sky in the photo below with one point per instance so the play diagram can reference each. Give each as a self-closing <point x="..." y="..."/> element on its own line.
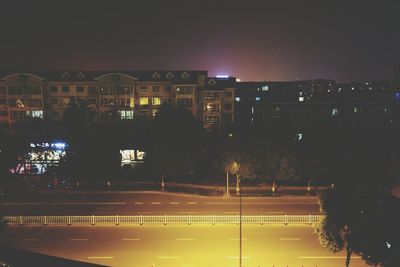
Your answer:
<point x="253" y="40"/>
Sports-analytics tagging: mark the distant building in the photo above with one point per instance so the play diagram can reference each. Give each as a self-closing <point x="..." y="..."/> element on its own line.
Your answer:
<point x="302" y="103"/>
<point x="216" y="101"/>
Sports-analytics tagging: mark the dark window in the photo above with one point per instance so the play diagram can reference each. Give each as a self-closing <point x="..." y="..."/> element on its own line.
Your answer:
<point x="167" y="88"/>
<point x="2" y="90"/>
<point x="92" y="101"/>
<point x="211" y="96"/>
<point x="184" y="102"/>
<point x="32" y="90"/>
<point x="79" y="89"/>
<point x="3" y="113"/>
<point x="33" y="102"/>
<point x="17" y="115"/>
<point x="65" y="89"/>
<point x="228" y="106"/>
<point x="15" y="90"/>
<point x="36" y="90"/>
<point x="3" y="101"/>
<point x="184" y="90"/>
<point x="12" y="102"/>
<point x="143" y="88"/>
<point x="53" y="89"/>
<point x="54" y="101"/>
<point x="156" y="89"/>
<point x="92" y="90"/>
<point x="228" y="94"/>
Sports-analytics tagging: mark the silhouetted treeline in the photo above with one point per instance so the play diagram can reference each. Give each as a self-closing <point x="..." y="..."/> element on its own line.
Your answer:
<point x="178" y="148"/>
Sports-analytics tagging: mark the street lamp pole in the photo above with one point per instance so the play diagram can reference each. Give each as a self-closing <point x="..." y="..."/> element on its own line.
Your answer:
<point x="227" y="184"/>
<point x="240" y="222"/>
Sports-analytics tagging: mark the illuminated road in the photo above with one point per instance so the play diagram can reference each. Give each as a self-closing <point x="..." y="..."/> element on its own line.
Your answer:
<point x="180" y="246"/>
<point x="146" y="203"/>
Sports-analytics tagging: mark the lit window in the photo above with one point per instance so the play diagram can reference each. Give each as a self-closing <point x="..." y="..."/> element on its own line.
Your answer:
<point x="144" y="101"/>
<point x="237" y="99"/>
<point x="154" y="112"/>
<point x="35" y="113"/>
<point x="132" y="102"/>
<point x="299" y="136"/>
<point x="156" y="101"/>
<point x="301" y="98"/>
<point x="258" y="98"/>
<point x="139" y="155"/>
<point x="334" y="112"/>
<point x="355" y="109"/>
<point x="265" y="88"/>
<point x="126" y="114"/>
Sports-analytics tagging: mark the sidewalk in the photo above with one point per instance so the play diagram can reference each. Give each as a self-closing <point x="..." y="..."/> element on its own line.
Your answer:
<point x="183" y="189"/>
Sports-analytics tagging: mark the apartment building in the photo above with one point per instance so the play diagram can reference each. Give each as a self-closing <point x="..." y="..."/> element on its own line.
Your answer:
<point x="113" y="94"/>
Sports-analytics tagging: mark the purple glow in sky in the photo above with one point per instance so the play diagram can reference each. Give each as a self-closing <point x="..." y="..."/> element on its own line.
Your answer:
<point x="253" y="40"/>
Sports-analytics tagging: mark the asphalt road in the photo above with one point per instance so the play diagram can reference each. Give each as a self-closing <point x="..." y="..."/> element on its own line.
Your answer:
<point x="151" y="203"/>
<point x="180" y="246"/>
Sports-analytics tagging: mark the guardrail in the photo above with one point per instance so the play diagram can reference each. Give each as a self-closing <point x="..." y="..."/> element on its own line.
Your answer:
<point x="162" y="219"/>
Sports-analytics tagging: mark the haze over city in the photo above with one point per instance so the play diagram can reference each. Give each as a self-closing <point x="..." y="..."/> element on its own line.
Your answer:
<point x="252" y="40"/>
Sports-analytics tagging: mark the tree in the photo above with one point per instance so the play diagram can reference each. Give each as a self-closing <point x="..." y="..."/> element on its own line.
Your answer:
<point x="360" y="220"/>
<point x="379" y="243"/>
<point x="338" y="228"/>
<point x="174" y="143"/>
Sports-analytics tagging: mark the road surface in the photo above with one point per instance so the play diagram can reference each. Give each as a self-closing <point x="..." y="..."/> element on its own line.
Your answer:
<point x="180" y="246"/>
<point x="151" y="203"/>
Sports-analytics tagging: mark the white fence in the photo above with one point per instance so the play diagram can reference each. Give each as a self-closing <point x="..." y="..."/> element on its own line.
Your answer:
<point x="162" y="219"/>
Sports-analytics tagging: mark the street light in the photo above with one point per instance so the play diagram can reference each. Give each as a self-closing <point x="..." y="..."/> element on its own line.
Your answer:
<point x="240" y="219"/>
<point x="232" y="168"/>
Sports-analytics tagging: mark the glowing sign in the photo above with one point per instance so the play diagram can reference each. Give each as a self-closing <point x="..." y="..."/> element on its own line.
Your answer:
<point x="222" y="76"/>
<point x="131" y="156"/>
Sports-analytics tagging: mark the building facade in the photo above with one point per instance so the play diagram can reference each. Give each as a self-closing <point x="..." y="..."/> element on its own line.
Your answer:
<point x="216" y="101"/>
<point x="113" y="95"/>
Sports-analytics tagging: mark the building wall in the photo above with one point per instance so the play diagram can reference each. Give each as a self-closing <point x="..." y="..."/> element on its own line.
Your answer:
<point x="110" y="95"/>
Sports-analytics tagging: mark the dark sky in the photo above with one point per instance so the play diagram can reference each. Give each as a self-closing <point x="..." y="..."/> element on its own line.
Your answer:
<point x="253" y="40"/>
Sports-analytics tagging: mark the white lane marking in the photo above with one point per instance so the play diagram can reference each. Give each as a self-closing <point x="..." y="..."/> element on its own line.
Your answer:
<point x="191" y="203"/>
<point x="101" y="257"/>
<point x="131" y="239"/>
<point x="290" y="239"/>
<point x="62" y="203"/>
<point x="261" y="203"/>
<point x="155" y="203"/>
<point x="174" y="203"/>
<point x="78" y="239"/>
<point x="138" y="203"/>
<point x="168" y="257"/>
<point x="28" y="239"/>
<point x="327" y="257"/>
<point x="236" y="257"/>
<point x="186" y="239"/>
<point x="237" y="239"/>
